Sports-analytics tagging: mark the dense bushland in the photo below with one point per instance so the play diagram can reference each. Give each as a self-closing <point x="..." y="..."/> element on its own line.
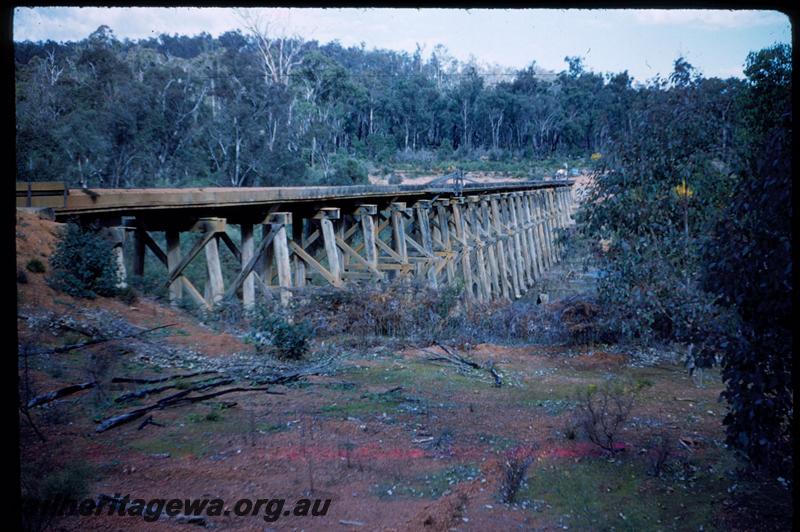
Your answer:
<point x="696" y="215"/>
<point x="748" y="264"/>
<point x="179" y="110"/>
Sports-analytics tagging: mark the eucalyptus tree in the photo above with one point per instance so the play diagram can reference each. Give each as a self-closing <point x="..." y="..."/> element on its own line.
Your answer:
<point x="465" y="98"/>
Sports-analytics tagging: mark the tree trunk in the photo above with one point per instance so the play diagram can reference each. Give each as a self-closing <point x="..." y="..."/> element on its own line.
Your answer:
<point x="370" y="121"/>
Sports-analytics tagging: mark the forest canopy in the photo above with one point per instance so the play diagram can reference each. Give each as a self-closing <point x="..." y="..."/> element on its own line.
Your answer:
<point x="250" y="109"/>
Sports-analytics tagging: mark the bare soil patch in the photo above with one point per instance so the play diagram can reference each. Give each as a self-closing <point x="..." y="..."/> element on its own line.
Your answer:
<point x="397" y="441"/>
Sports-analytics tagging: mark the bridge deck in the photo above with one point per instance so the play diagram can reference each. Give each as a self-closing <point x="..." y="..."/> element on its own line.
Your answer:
<point x="131" y="201"/>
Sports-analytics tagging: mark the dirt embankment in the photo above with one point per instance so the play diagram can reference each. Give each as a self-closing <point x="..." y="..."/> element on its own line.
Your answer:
<point x="36" y="239"/>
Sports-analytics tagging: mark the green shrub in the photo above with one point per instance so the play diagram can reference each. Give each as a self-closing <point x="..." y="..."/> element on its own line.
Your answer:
<point x="43" y="481"/>
<point x="35" y="266"/>
<point x="270" y="328"/>
<point x="347" y="171"/>
<point x="83" y="264"/>
<point x="445" y="150"/>
<point x="395" y="179"/>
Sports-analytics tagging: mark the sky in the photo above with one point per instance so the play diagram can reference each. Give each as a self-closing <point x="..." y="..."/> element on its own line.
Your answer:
<point x="643" y="42"/>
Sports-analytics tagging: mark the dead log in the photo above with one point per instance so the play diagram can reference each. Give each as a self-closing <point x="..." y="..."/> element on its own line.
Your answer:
<point x="458" y="360"/>
<point x="121" y="419"/>
<point x="58" y="394"/>
<point x="127" y="417"/>
<point x="71" y="347"/>
<point x="143" y="393"/>
<point x="498" y="381"/>
<point x="458" y="357"/>
<point x="133" y="380"/>
<point x="292" y="375"/>
<point x="149" y="421"/>
<point x="192" y="400"/>
<point x="176" y="399"/>
<point x="156" y="389"/>
<point x="181" y="397"/>
<point x="205" y="385"/>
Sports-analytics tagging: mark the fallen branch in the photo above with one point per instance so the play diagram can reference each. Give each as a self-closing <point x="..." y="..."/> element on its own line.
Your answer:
<point x="175" y="400"/>
<point x="124" y="418"/>
<point x="458" y="360"/>
<point x="156" y="389"/>
<point x="161" y="403"/>
<point x="71" y="347"/>
<point x="142" y="393"/>
<point x="458" y="357"/>
<point x="192" y="400"/>
<point x="149" y="421"/>
<point x="181" y="397"/>
<point x="498" y="381"/>
<point x="58" y="394"/>
<point x="293" y="375"/>
<point x="160" y="379"/>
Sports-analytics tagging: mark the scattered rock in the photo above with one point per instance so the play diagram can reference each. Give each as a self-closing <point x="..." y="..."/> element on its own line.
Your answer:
<point x="192" y="520"/>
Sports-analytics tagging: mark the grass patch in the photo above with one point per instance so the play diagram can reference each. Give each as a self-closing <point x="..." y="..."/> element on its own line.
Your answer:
<point x="177" y="443"/>
<point x="211" y="416"/>
<point x="194" y="436"/>
<point x="340" y="386"/>
<point x="497" y="443"/>
<point x="374" y="404"/>
<point x="424" y="376"/>
<point x="272" y="428"/>
<point x="596" y="494"/>
<point x="553" y="407"/>
<point x="554" y="398"/>
<point x="430" y="486"/>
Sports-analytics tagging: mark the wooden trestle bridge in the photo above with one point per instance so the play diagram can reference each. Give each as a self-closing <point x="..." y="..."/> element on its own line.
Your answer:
<point x="497" y="239"/>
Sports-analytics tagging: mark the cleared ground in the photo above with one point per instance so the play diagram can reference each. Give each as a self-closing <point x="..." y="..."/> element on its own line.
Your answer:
<point x="396" y="440"/>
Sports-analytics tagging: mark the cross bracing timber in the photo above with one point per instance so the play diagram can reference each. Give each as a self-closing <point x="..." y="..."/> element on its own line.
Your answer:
<point x="496" y="240"/>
